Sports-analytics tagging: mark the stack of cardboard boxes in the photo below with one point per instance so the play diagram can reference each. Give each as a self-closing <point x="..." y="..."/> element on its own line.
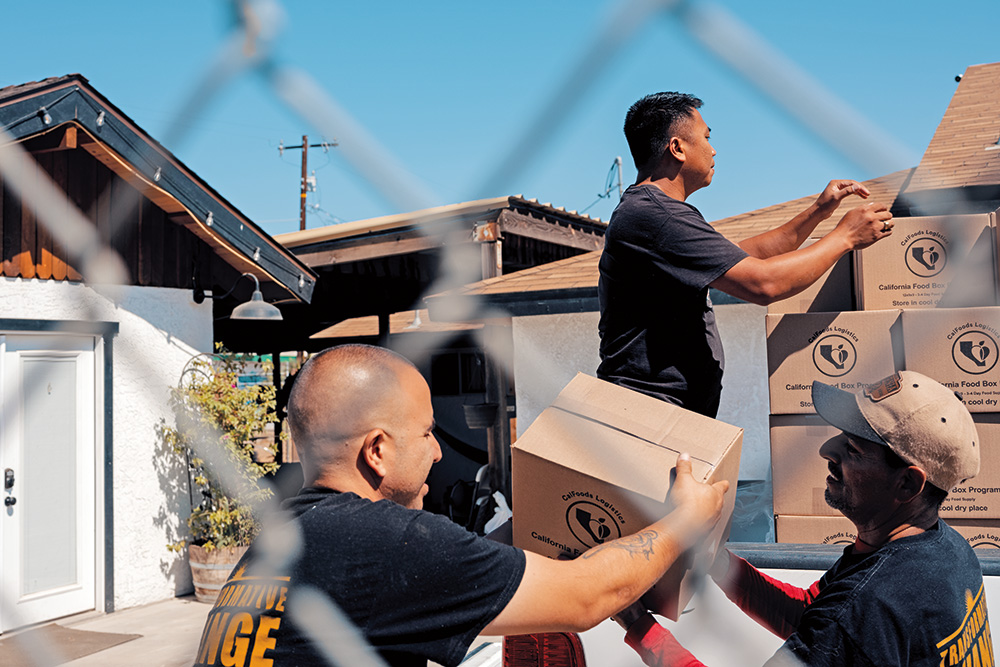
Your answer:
<point x="923" y="299"/>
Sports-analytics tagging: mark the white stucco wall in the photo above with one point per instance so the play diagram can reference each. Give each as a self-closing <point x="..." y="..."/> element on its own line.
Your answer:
<point x="159" y="330"/>
<point x="549" y="350"/>
<point x="745" y="400"/>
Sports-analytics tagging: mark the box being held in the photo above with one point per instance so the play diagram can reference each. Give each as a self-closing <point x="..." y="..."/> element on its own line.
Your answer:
<point x="846" y="350"/>
<point x="595" y="466"/>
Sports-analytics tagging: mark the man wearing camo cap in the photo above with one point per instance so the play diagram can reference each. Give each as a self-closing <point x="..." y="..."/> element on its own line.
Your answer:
<point x="909" y="591"/>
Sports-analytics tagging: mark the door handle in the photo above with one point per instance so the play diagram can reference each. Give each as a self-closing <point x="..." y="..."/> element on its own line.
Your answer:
<point x="8" y="478"/>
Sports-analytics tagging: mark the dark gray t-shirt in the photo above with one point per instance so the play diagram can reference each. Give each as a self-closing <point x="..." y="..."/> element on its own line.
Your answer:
<point x="658" y="332"/>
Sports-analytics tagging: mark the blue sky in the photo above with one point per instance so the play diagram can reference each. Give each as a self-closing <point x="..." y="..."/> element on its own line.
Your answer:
<point x="449" y="89"/>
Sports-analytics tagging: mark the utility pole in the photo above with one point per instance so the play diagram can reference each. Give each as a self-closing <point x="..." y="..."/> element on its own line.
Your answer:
<point x="305" y="146"/>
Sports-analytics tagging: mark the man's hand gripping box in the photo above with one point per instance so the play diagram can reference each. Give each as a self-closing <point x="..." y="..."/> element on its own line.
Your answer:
<point x="595" y="466"/>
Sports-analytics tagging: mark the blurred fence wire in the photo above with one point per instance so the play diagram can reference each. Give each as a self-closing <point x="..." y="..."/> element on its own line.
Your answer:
<point x="248" y="51"/>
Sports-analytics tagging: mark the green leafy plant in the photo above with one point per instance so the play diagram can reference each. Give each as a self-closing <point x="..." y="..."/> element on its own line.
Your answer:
<point x="217" y="424"/>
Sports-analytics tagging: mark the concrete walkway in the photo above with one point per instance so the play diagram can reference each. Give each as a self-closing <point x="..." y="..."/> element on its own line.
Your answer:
<point x="170" y="633"/>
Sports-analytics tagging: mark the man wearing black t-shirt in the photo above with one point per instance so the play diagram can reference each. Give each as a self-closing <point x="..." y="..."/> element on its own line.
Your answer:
<point x="909" y="591"/>
<point x="658" y="331"/>
<point x="355" y="545"/>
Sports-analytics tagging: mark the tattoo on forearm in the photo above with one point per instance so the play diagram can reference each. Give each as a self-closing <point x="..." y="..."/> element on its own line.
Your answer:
<point x="639" y="544"/>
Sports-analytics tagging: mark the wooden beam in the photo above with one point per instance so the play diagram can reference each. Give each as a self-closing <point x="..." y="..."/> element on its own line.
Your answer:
<point x="11" y="234"/>
<point x="358" y="253"/>
<point x="519" y="224"/>
<point x="63" y="138"/>
<point x="60" y="174"/>
<point x="43" y="239"/>
<point x="116" y="165"/>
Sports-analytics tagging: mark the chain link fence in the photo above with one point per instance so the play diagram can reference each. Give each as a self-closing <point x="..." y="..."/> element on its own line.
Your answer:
<point x="249" y="49"/>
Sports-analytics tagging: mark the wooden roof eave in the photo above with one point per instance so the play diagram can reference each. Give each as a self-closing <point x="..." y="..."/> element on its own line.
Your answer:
<point x="416" y="231"/>
<point x="114" y="140"/>
<point x="459" y="307"/>
<point x="438" y="217"/>
<point x="520" y="224"/>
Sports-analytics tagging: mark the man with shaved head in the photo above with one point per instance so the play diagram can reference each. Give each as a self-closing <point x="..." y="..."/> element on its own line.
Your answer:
<point x="355" y="542"/>
<point x="328" y="419"/>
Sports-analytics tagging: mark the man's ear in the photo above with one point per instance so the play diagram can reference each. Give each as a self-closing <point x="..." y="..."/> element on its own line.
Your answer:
<point x="911" y="483"/>
<point x="374" y="450"/>
<point x="676" y="148"/>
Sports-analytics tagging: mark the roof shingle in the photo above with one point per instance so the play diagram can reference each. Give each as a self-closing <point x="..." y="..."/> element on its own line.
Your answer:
<point x="963" y="151"/>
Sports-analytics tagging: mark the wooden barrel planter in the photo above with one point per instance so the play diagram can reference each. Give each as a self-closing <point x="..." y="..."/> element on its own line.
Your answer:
<point x="210" y="568"/>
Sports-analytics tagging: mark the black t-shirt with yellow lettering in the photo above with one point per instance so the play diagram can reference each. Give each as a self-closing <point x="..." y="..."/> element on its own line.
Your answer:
<point x="916" y="602"/>
<point x="416" y="586"/>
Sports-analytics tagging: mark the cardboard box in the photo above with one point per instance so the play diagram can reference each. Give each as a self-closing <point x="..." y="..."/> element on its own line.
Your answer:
<point x="840" y="531"/>
<point x="798" y="473"/>
<point x="791" y="529"/>
<point x="848" y="350"/>
<point x="833" y="292"/>
<point x="595" y="466"/>
<point x="930" y="262"/>
<point x="959" y="348"/>
<point x="979" y="497"/>
<point x="983" y="534"/>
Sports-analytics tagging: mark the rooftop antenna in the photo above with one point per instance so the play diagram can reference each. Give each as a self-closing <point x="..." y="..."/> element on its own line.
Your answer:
<point x="618" y="164"/>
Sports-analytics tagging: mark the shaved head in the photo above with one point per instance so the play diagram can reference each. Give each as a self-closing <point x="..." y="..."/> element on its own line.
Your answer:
<point x="338" y="396"/>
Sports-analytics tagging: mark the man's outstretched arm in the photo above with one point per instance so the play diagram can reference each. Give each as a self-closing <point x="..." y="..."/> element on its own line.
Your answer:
<point x="576" y="595"/>
<point x="657" y="646"/>
<point x="774" y="604"/>
<point x="764" y="281"/>
<point x="793" y="233"/>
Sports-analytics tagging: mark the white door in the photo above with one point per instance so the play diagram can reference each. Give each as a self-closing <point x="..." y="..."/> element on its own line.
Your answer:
<point x="47" y="458"/>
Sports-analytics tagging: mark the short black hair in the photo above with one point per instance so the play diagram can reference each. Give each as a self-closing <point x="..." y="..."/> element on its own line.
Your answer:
<point x="650" y="122"/>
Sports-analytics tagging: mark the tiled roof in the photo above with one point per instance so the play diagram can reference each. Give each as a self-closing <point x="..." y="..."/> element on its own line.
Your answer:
<point x="126" y="149"/>
<point x="964" y="150"/>
<point x="739" y="227"/>
<point x="579" y="271"/>
<point x="408" y="321"/>
<point x="10" y="92"/>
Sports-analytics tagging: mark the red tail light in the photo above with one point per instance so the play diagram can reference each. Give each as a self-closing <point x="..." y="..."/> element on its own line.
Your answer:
<point x="546" y="649"/>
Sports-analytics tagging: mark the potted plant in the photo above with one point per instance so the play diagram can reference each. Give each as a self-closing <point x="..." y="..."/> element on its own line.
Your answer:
<point x="218" y="422"/>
